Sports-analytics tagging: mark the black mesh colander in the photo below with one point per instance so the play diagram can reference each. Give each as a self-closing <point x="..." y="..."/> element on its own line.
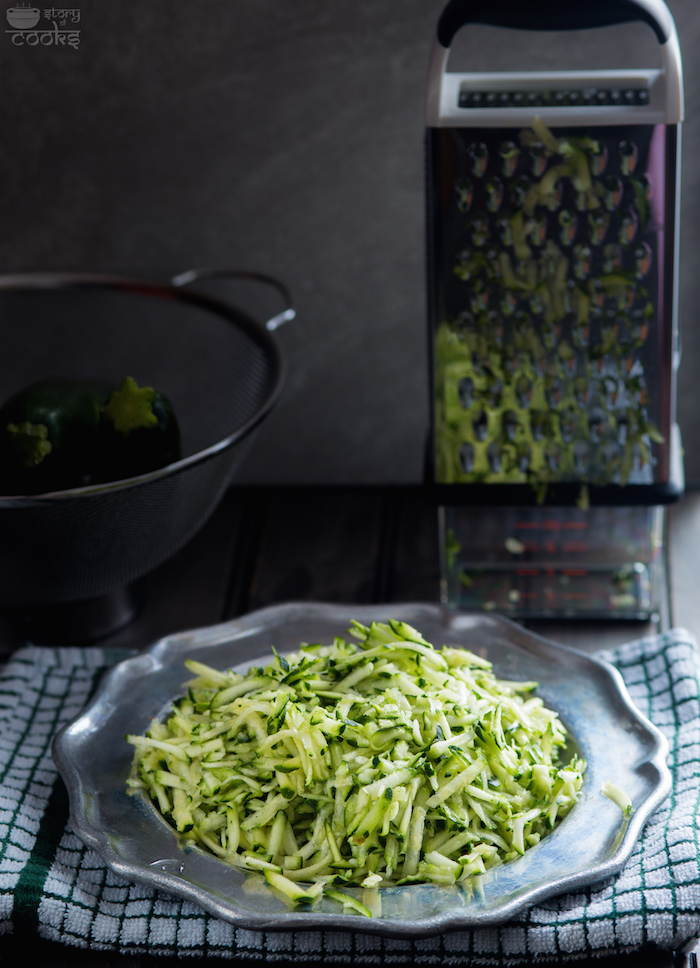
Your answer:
<point x="220" y="368"/>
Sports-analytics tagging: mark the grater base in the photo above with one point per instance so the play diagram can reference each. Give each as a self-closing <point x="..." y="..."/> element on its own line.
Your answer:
<point x="603" y="563"/>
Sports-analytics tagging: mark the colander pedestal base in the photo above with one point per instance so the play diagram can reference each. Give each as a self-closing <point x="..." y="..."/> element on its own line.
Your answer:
<point x="80" y="622"/>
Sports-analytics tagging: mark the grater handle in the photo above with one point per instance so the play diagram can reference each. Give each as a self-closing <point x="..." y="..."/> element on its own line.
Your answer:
<point x="288" y="313"/>
<point x="554" y="15"/>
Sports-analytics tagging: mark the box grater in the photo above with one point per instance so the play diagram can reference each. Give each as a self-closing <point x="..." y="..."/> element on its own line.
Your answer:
<point x="552" y="270"/>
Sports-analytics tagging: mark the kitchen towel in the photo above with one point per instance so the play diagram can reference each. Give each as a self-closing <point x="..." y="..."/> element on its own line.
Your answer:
<point x="53" y="886"/>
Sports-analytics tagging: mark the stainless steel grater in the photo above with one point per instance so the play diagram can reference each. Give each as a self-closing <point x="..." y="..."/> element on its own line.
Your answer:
<point x="552" y="263"/>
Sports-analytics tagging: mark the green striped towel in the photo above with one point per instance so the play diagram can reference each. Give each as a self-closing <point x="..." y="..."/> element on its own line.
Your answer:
<point x="53" y="886"/>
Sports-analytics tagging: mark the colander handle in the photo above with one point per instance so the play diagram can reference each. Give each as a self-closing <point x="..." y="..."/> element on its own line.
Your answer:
<point x="288" y="313"/>
<point x="554" y="15"/>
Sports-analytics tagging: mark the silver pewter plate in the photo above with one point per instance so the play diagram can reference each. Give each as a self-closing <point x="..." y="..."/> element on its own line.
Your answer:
<point x="591" y="844"/>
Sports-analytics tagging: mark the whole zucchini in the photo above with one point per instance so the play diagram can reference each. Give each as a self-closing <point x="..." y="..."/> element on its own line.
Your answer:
<point x="48" y="433"/>
<point x="138" y="433"/>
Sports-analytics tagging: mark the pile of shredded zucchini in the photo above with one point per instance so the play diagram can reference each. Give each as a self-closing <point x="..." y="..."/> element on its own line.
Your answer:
<point x="372" y="762"/>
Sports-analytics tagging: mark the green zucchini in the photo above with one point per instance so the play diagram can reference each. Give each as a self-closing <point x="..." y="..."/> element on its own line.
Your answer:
<point x="138" y="432"/>
<point x="47" y="435"/>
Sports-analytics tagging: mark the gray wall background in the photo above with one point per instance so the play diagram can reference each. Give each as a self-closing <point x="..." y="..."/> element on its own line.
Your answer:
<point x="284" y="136"/>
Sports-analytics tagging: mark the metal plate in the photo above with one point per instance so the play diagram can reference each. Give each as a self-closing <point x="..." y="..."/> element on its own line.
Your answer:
<point x="591" y="844"/>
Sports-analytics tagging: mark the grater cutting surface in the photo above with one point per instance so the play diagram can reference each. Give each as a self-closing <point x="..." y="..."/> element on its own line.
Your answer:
<point x="552" y="357"/>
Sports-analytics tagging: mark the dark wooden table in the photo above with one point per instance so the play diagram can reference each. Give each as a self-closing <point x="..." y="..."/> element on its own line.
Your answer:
<point x="333" y="544"/>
